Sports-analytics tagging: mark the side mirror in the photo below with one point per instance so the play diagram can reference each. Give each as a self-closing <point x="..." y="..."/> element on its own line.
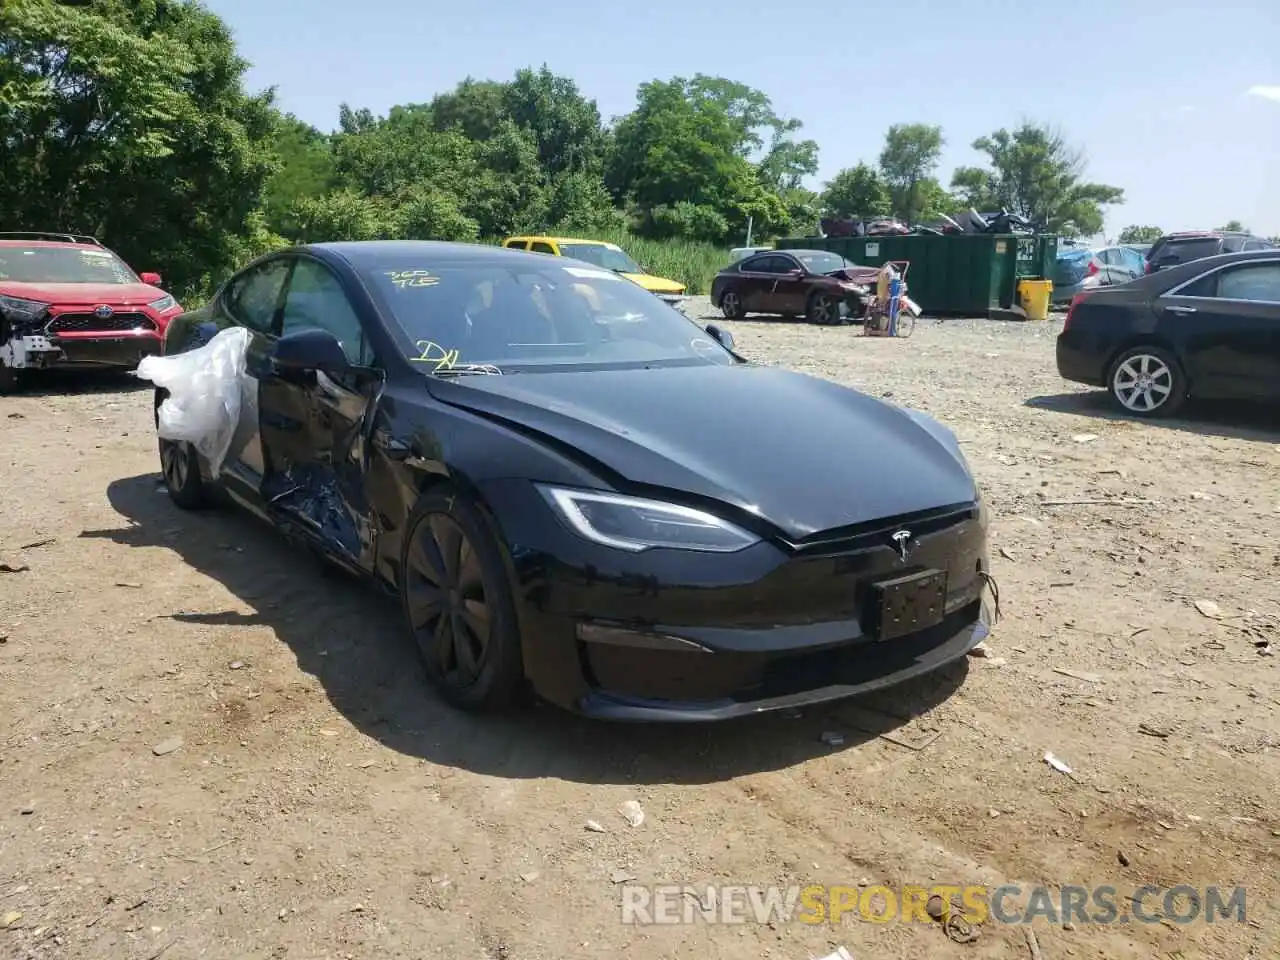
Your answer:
<point x="720" y="336"/>
<point x="151" y="279"/>
<point x="312" y="349"/>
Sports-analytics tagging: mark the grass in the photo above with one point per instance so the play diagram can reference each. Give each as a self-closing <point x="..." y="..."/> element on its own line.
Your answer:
<point x="690" y="263"/>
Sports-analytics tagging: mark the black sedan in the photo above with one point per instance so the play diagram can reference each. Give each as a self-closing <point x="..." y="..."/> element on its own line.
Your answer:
<point x="1209" y="328"/>
<point x="572" y="487"/>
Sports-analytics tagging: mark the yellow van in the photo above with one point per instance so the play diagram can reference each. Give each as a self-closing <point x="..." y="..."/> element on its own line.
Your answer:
<point x="610" y="256"/>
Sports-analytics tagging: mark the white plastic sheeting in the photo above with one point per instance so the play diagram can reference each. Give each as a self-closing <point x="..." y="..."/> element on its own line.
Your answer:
<point x="206" y="391"/>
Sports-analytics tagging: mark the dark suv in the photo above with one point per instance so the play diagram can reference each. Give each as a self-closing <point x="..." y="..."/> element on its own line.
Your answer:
<point x="1175" y="248"/>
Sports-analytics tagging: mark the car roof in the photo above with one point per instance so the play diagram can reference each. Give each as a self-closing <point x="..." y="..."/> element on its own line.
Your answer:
<point x="55" y="244"/>
<point x="797" y="253"/>
<point x="370" y="254"/>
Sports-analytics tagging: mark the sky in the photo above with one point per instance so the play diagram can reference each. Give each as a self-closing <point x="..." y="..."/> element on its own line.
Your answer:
<point x="1175" y="101"/>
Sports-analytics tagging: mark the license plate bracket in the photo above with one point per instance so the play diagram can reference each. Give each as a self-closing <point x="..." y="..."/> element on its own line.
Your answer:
<point x="909" y="603"/>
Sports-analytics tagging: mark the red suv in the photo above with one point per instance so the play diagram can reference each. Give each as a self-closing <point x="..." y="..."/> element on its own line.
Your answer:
<point x="66" y="300"/>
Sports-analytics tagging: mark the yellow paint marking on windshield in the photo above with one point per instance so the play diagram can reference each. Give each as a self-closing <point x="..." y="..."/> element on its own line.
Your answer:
<point x="432" y="353"/>
<point x="412" y="278"/>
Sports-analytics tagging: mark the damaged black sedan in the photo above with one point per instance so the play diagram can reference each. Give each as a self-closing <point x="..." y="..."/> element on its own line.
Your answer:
<point x="571" y="487"/>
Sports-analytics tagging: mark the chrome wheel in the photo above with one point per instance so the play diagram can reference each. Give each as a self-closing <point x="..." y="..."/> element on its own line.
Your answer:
<point x="1142" y="382"/>
<point x="446" y="600"/>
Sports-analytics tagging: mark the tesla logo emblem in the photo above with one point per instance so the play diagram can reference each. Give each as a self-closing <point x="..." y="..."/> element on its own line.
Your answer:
<point x="102" y="312"/>
<point x="903" y="541"/>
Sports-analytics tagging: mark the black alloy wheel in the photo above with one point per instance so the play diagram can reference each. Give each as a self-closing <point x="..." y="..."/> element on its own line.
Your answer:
<point x="458" y="604"/>
<point x="731" y="305"/>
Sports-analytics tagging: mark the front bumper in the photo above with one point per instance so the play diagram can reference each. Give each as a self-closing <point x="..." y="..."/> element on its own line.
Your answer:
<point x="107" y="350"/>
<point x="670" y="635"/>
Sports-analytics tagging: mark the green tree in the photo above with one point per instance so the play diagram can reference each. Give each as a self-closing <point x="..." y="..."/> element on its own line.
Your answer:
<point x="691" y="144"/>
<point x="130" y="121"/>
<point x="1233" y="226"/>
<point x="305" y="170"/>
<point x="1034" y="173"/>
<point x="909" y="157"/>
<point x="857" y="191"/>
<point x="474" y="108"/>
<point x="1137" y="234"/>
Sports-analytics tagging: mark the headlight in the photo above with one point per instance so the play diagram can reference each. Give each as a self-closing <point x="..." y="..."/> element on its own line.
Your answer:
<point x="164" y="303"/>
<point x="22" y="309"/>
<point x="635" y="524"/>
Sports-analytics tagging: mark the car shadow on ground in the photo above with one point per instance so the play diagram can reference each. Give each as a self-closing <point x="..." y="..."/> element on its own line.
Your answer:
<point x="54" y="383"/>
<point x="1217" y="418"/>
<point x="348" y="636"/>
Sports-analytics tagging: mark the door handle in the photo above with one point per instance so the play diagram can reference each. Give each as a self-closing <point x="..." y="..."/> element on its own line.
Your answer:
<point x="1177" y="309"/>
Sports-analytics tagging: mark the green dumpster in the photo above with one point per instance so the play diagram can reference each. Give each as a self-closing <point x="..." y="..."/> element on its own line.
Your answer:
<point x="969" y="274"/>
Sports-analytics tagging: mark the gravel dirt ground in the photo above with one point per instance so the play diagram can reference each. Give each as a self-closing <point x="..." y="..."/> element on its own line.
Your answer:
<point x="209" y="748"/>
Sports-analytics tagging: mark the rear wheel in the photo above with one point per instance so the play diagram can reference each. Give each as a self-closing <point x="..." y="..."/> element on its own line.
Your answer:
<point x="457" y="600"/>
<point x="8" y="380"/>
<point x="731" y="305"/>
<point x="1147" y="381"/>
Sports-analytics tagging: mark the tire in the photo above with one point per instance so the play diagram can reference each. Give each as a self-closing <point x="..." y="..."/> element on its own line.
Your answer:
<point x="731" y="305"/>
<point x="1166" y="386"/>
<point x="9" y="381"/>
<point x="457" y="603"/>
<point x="905" y="324"/>
<point x="823" y="309"/>
<point x="180" y="467"/>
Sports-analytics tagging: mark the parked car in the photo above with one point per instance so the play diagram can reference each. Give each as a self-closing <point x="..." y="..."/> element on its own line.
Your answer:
<point x="819" y="285"/>
<point x="66" y="300"/>
<point x="610" y="256"/>
<point x="1078" y="269"/>
<point x="1209" y="328"/>
<point x="1141" y="248"/>
<point x="579" y="526"/>
<point x="1175" y="248"/>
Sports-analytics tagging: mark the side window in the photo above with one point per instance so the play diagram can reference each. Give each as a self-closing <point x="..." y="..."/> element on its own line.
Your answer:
<point x="1256" y="281"/>
<point x="1255" y="245"/>
<point x="1135" y="262"/>
<point x="1107" y="257"/>
<point x="1206" y="286"/>
<point x="252" y="297"/>
<point x="1232" y="244"/>
<point x="517" y="245"/>
<point x="539" y="247"/>
<point x="315" y="300"/>
<point x="771" y="264"/>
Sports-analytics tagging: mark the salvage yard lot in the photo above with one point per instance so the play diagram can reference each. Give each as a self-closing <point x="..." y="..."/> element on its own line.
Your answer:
<point x="319" y="801"/>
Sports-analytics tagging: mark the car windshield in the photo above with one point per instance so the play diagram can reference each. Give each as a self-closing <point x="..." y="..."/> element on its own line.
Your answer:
<point x="503" y="318"/>
<point x="610" y="258"/>
<point x="819" y="261"/>
<point x="39" y="264"/>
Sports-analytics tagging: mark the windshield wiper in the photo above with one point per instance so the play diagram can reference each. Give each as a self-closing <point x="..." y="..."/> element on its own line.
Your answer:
<point x="459" y="369"/>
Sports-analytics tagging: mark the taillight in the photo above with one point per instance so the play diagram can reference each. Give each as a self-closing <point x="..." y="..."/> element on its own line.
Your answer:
<point x="1071" y="309"/>
<point x="1151" y="267"/>
<point x="1093" y="268"/>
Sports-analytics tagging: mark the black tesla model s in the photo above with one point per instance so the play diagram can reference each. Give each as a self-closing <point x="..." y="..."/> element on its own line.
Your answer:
<point x="572" y="487"/>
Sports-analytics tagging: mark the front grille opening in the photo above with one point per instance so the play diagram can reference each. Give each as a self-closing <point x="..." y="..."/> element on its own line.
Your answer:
<point x="85" y="322"/>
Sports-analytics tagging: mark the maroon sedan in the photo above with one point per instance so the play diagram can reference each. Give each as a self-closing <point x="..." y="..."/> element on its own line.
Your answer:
<point x="819" y="285"/>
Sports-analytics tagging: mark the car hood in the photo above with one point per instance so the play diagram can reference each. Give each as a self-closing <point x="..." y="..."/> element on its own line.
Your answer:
<point x="655" y="284"/>
<point x="115" y="294"/>
<point x="803" y="453"/>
